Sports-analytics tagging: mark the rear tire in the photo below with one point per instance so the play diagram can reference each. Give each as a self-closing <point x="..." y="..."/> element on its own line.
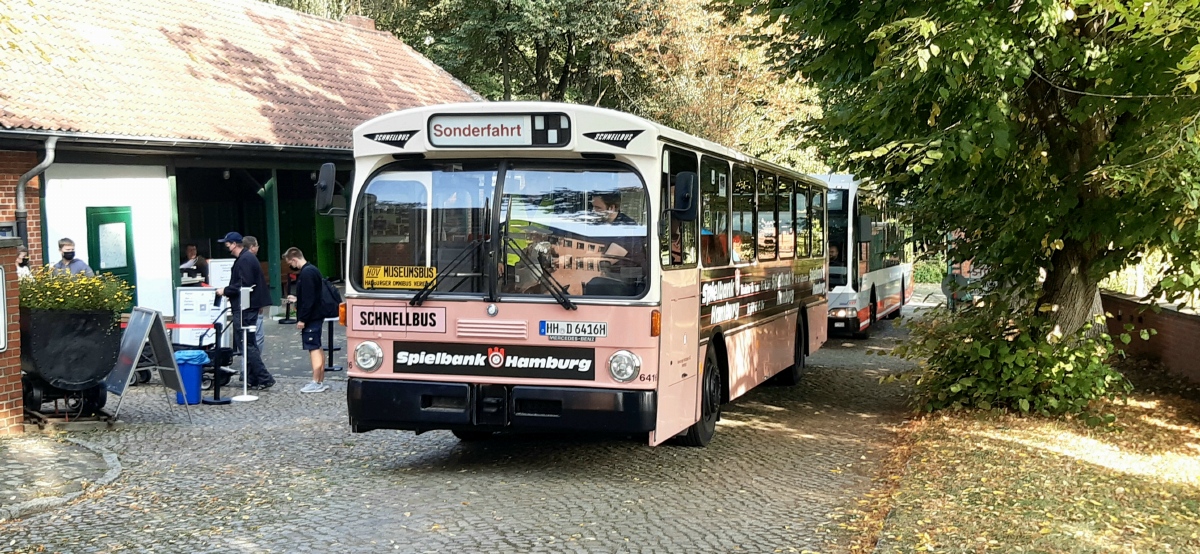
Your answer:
<point x="701" y="433"/>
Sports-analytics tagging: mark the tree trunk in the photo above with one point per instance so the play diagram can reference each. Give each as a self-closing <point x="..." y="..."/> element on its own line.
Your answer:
<point x="1072" y="291"/>
<point x="506" y="44"/>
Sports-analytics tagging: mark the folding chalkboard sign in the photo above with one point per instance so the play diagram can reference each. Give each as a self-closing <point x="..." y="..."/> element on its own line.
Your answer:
<point x="145" y="337"/>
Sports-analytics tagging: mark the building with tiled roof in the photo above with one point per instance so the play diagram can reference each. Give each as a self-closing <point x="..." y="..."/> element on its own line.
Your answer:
<point x="183" y="119"/>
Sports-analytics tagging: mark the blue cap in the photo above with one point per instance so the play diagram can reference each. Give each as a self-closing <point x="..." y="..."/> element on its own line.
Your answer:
<point x="232" y="236"/>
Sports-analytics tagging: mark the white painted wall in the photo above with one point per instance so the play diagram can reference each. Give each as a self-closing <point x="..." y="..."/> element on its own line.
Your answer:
<point x="71" y="188"/>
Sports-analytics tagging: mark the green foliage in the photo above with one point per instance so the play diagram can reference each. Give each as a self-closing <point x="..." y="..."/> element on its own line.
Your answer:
<point x="1053" y="140"/>
<point x="48" y="289"/>
<point x="1060" y="138"/>
<point x="930" y="269"/>
<point x="986" y="357"/>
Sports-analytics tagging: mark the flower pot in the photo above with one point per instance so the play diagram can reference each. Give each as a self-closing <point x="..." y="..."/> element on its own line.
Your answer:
<point x="70" y="350"/>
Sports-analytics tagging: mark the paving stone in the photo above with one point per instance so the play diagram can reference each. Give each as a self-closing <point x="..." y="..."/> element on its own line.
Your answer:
<point x="284" y="474"/>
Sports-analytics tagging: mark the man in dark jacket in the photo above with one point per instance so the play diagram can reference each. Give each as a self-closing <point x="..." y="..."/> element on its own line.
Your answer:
<point x="247" y="272"/>
<point x="309" y="317"/>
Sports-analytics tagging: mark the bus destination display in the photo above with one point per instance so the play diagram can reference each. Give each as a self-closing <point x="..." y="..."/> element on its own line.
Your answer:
<point x="546" y="129"/>
<point x="397" y="276"/>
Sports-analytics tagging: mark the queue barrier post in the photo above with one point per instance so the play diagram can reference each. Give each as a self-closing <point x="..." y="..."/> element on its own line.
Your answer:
<point x="329" y="347"/>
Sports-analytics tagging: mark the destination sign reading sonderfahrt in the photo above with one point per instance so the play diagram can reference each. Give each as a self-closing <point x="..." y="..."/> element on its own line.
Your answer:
<point x="499" y="130"/>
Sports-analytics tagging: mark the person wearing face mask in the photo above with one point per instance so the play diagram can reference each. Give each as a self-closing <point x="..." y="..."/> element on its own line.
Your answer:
<point x="66" y="247"/>
<point x="23" y="271"/>
<point x="250" y="243"/>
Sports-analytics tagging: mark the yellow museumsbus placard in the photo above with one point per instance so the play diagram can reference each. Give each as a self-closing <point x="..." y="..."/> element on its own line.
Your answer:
<point x="397" y="276"/>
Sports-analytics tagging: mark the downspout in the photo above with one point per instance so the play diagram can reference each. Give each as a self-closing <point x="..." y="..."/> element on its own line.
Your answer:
<point x="22" y="213"/>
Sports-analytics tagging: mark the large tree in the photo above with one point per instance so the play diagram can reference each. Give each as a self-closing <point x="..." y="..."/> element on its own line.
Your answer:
<point x="703" y="79"/>
<point x="1056" y="137"/>
<point x="560" y="50"/>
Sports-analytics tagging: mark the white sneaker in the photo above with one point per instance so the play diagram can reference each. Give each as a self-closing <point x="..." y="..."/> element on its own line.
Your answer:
<point x="313" y="386"/>
<point x="324" y="387"/>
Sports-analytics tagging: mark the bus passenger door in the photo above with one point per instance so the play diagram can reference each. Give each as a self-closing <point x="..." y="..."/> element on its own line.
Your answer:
<point x="678" y="362"/>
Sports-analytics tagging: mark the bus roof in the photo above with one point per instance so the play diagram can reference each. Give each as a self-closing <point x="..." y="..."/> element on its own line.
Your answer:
<point x="408" y="131"/>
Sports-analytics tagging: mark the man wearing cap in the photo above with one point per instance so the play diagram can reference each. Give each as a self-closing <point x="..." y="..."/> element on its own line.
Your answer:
<point x="247" y="272"/>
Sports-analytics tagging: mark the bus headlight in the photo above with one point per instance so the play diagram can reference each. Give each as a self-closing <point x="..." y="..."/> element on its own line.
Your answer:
<point x="840" y="313"/>
<point x="368" y="355"/>
<point x="624" y="366"/>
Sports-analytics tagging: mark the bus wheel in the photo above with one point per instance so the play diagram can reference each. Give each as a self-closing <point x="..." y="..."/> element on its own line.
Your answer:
<point x="701" y="433"/>
<point x="472" y="435"/>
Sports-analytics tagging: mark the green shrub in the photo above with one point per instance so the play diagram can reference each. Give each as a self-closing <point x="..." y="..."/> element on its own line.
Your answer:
<point x="980" y="357"/>
<point x="930" y="270"/>
<point x="48" y="289"/>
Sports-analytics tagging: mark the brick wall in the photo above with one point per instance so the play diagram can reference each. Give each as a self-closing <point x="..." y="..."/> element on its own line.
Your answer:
<point x="1177" y="344"/>
<point x="11" y="407"/>
<point x="12" y="166"/>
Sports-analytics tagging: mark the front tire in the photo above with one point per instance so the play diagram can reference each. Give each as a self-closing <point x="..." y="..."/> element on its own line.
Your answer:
<point x="701" y="433"/>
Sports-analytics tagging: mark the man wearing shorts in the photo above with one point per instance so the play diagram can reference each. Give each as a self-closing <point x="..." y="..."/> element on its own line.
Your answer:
<point x="309" y="284"/>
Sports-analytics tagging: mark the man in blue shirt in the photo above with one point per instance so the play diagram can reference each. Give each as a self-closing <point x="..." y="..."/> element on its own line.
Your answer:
<point x="247" y="272"/>
<point x="66" y="248"/>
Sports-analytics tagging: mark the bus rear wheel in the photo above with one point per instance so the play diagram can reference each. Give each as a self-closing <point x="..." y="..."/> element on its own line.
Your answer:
<point x="701" y="433"/>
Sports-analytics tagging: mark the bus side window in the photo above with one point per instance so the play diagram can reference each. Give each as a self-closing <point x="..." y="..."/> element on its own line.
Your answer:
<point x="678" y="244"/>
<point x="714" y="212"/>
<point x="768" y="228"/>
<point x="801" y="195"/>
<point x="787" y="233"/>
<point x="817" y="222"/>
<point x="744" y="222"/>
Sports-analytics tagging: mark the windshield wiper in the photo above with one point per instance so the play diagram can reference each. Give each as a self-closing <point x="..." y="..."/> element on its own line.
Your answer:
<point x="425" y="291"/>
<point x="556" y="289"/>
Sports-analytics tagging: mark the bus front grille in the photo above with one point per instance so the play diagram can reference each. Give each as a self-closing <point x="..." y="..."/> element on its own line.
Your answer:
<point x="492" y="329"/>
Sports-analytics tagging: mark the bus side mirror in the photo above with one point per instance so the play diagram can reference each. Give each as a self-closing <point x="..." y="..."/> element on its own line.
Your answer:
<point x="864" y="230"/>
<point x="687" y="191"/>
<point x="326" y="182"/>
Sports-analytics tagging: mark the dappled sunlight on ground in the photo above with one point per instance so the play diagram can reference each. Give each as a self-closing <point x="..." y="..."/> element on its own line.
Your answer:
<point x="1179" y="468"/>
<point x="980" y="482"/>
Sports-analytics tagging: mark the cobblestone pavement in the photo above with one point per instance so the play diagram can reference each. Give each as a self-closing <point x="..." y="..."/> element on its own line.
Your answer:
<point x="284" y="474"/>
<point x="33" y="467"/>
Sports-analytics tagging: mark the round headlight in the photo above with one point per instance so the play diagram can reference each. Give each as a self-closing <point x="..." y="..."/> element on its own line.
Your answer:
<point x="368" y="355"/>
<point x="624" y="366"/>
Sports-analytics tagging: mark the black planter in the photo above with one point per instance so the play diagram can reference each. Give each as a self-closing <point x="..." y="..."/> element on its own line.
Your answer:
<point x="70" y="350"/>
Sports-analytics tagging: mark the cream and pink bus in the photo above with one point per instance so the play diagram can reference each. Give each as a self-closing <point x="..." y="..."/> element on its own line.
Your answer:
<point x="554" y="267"/>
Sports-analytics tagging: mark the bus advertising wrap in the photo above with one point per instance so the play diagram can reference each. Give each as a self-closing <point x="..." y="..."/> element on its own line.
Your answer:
<point x="539" y="362"/>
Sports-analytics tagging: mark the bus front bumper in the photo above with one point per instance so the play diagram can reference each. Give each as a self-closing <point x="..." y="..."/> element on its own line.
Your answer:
<point x="425" y="406"/>
<point x="843" y="325"/>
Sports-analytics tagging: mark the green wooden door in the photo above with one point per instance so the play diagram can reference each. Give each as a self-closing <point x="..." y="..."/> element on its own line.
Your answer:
<point x="110" y="243"/>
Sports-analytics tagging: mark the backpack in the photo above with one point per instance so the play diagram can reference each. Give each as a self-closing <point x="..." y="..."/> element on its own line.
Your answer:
<point x="331" y="299"/>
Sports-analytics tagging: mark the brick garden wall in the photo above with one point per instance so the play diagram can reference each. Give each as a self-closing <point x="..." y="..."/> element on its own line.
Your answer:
<point x="12" y="166"/>
<point x="11" y="406"/>
<point x="1177" y="344"/>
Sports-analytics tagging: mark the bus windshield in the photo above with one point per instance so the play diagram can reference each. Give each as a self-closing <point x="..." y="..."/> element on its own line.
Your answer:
<point x="576" y="226"/>
<point x="581" y="226"/>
